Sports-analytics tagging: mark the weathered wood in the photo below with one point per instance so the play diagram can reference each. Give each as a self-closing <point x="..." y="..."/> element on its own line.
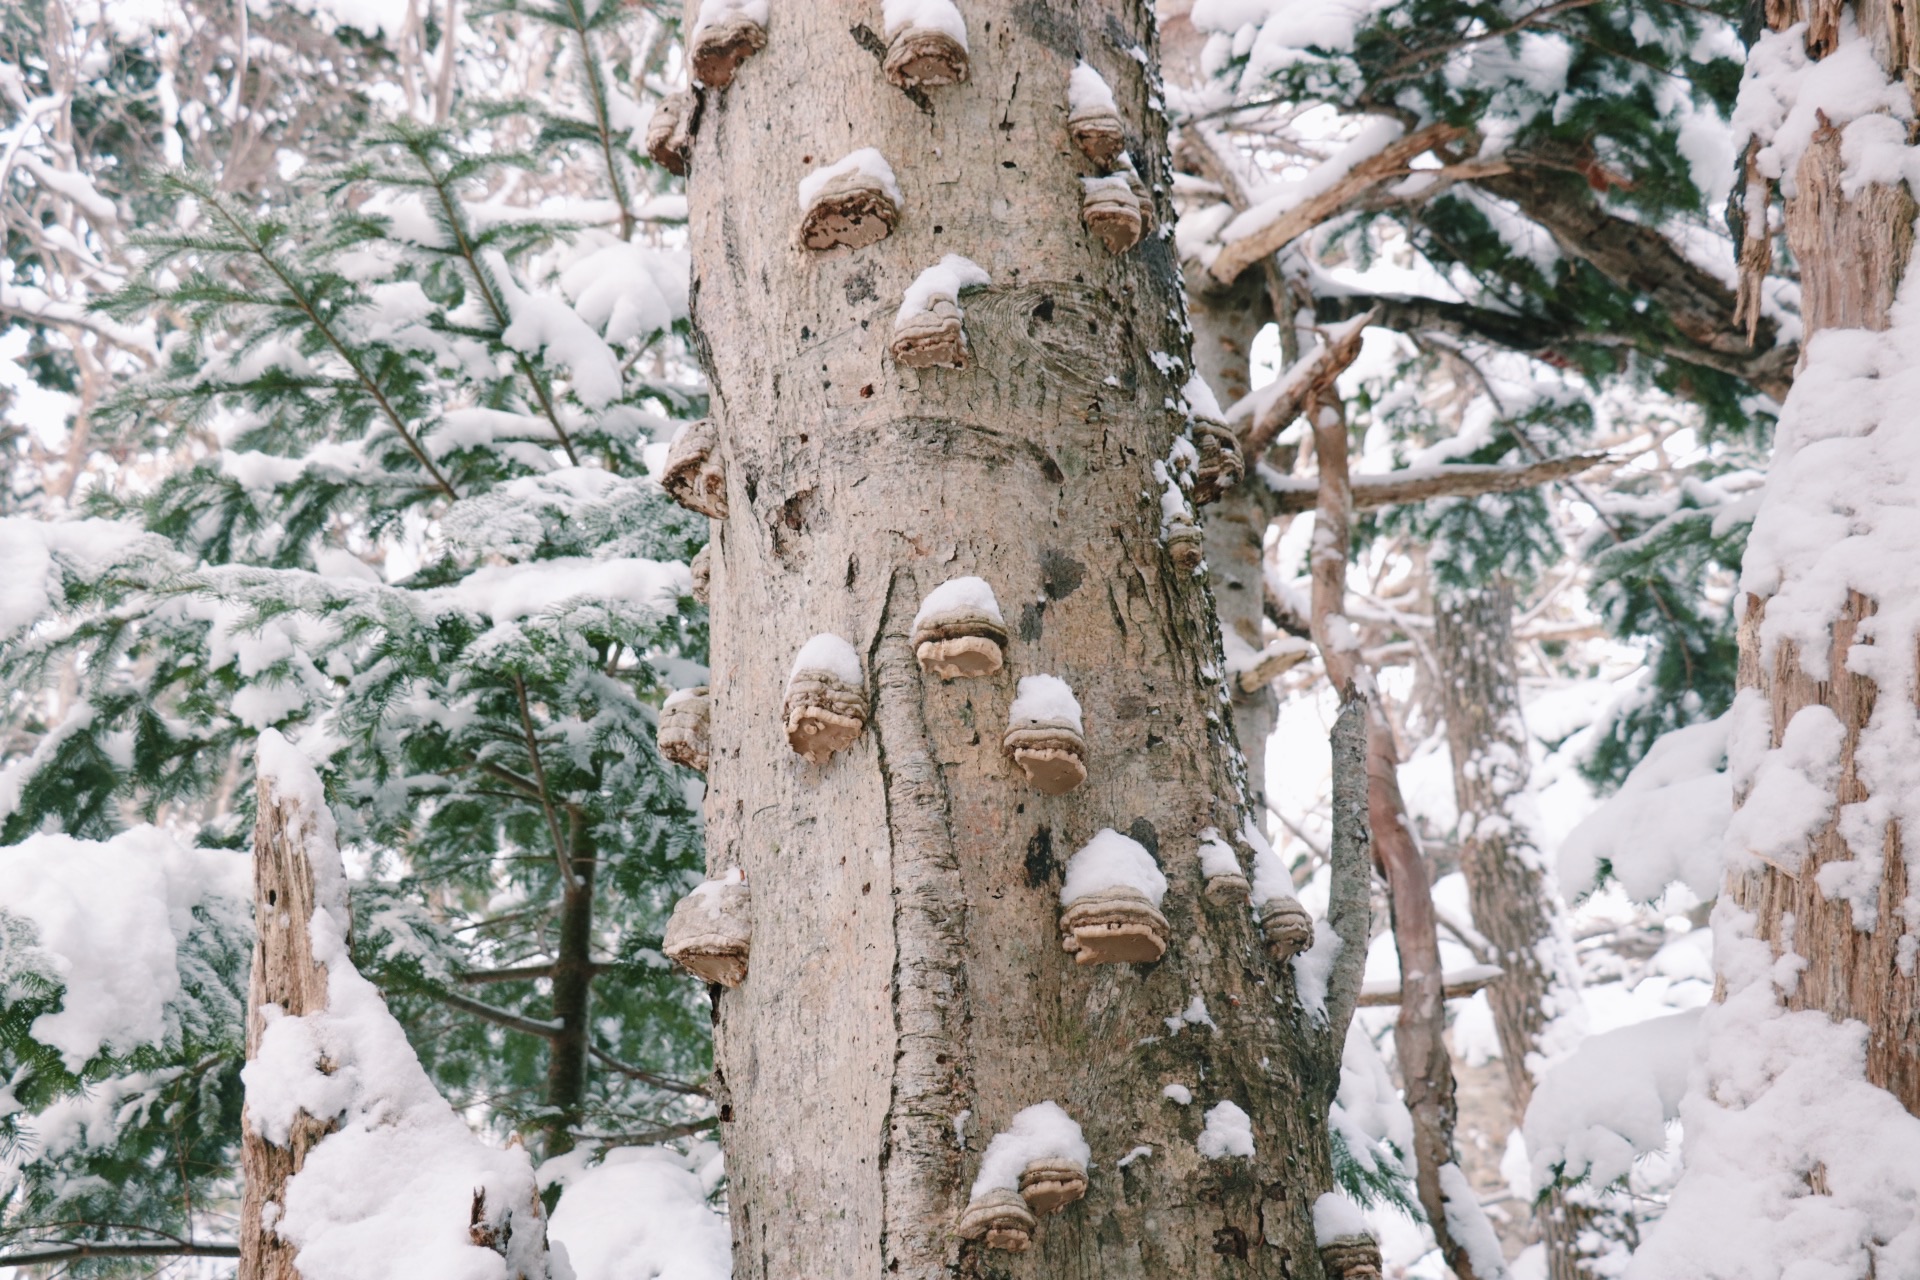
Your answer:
<point x="907" y="982"/>
<point x="286" y="975"/>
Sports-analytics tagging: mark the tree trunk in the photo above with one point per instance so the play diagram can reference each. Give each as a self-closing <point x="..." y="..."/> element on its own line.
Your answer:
<point x="572" y="996"/>
<point x="1511" y="891"/>
<point x="907" y="993"/>
<point x="284" y="974"/>
<point x="1419" y="1033"/>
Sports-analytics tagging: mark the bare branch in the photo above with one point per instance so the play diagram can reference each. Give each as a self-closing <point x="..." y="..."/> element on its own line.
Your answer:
<point x="653" y="1078"/>
<point x="81" y="1252"/>
<point x="1448" y="480"/>
<point x="1350" y="898"/>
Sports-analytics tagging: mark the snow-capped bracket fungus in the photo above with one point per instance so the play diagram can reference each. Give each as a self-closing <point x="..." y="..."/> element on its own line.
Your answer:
<point x="684" y="721"/>
<point x="1351" y="1258"/>
<point x="725" y="34"/>
<point x="702" y="571"/>
<point x="1034" y="1167"/>
<point x="695" y="477"/>
<point x="1286" y="926"/>
<point x="1112" y="212"/>
<point x="1093" y="118"/>
<point x="1045" y="735"/>
<point x="1220" y="466"/>
<point x="826" y="706"/>
<point x="958" y="633"/>
<point x="1220" y="864"/>
<point x="670" y="131"/>
<point x="853" y="202"/>
<point x="1112" y="897"/>
<point x="710" y="930"/>
<point x="926" y="43"/>
<point x="1185" y="543"/>
<point x="927" y="329"/>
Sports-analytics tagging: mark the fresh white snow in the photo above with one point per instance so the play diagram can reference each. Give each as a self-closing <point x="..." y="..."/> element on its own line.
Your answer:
<point x="1111" y="860"/>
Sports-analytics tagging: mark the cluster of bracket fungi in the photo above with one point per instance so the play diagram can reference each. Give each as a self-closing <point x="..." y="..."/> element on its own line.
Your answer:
<point x="959" y="633"/>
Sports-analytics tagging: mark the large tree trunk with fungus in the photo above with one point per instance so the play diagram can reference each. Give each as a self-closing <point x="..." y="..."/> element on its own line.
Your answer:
<point x="1510" y="889"/>
<point x="1419" y="1034"/>
<point x="908" y="993"/>
<point x="1854" y="249"/>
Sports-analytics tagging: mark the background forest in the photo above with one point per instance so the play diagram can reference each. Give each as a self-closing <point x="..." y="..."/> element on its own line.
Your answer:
<point x="342" y="344"/>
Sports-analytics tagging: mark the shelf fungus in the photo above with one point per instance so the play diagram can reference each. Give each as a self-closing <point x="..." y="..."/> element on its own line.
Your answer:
<point x="959" y="633"/>
<point x="670" y="131"/>
<point x="695" y="477"/>
<point x="1220" y="465"/>
<point x="725" y="34"/>
<point x="702" y="570"/>
<point x="709" y="932"/>
<point x="826" y="706"/>
<point x="926" y="43"/>
<point x="1034" y="1167"/>
<point x="1185" y="542"/>
<point x="1351" y="1258"/>
<point x="1045" y="736"/>
<point x="1226" y="882"/>
<point x="1093" y="118"/>
<point x="853" y="202"/>
<point x="1286" y="926"/>
<point x="684" y="720"/>
<point x="1112" y="897"/>
<point x="926" y="330"/>
<point x="1112" y="212"/>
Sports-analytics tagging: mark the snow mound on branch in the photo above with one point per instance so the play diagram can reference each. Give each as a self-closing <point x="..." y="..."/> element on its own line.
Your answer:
<point x="642" y="1211"/>
<point x="109" y="921"/>
<point x="390" y="1193"/>
<point x="1610" y="1100"/>
<point x="38" y="553"/>
<point x="1666" y="822"/>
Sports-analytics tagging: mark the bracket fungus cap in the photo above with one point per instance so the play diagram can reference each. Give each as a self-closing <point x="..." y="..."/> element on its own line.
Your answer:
<point x="826" y="704"/>
<point x="959" y="632"/>
<point x="702" y="571"/>
<point x="1116" y="926"/>
<point x="853" y="202"/>
<point x="1050" y="1183"/>
<point x="1185" y="544"/>
<point x="1093" y="117"/>
<point x="931" y="338"/>
<point x="1045" y="735"/>
<point x="1286" y="926"/>
<point x="710" y="931"/>
<point x="1221" y="465"/>
<point x="1001" y="1218"/>
<point x="685" y="719"/>
<point x="1228" y="888"/>
<point x="1351" y="1258"/>
<point x="1111" y="211"/>
<point x="924" y="58"/>
<point x="726" y="34"/>
<point x="670" y="131"/>
<point x="695" y="477"/>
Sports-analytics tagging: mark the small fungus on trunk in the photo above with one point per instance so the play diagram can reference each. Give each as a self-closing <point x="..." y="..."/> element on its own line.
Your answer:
<point x="1351" y="1258"/>
<point x="1226" y="882"/>
<point x="684" y="720"/>
<point x="670" y="131"/>
<point x="1220" y="465"/>
<point x="853" y="202"/>
<point x="1286" y="926"/>
<point x="1050" y="1183"/>
<point x="702" y="569"/>
<point x="959" y="633"/>
<point x="695" y="477"/>
<point x="1093" y="118"/>
<point x="1001" y="1219"/>
<point x="1112" y="897"/>
<point x="826" y="705"/>
<point x="710" y="930"/>
<point x="926" y="43"/>
<point x="1111" y="211"/>
<point x="927" y="329"/>
<point x="1185" y="543"/>
<point x="726" y="34"/>
<point x="1034" y="1167"/>
<point x="1045" y="735"/>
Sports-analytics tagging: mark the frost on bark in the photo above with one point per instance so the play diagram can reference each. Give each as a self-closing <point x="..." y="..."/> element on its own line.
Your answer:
<point x="910" y="995"/>
<point x="1509" y="886"/>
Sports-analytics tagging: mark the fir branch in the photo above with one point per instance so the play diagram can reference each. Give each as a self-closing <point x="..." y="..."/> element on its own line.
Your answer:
<point x="567" y="876"/>
<point x="597" y="93"/>
<point x="512" y="1021"/>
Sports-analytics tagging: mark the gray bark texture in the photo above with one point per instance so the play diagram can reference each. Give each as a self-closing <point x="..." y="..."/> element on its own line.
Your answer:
<point x="908" y="993"/>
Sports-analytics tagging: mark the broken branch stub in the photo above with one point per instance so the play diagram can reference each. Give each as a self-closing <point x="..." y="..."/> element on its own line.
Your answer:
<point x="670" y="131"/>
<point x="695" y="477"/>
<point x="1286" y="926"/>
<point x="924" y="58"/>
<point x="1111" y="211"/>
<point x="1050" y="1183"/>
<point x="1044" y="735"/>
<point x="999" y="1218"/>
<point x="685" y="718"/>
<point x="1185" y="543"/>
<point x="959" y="633"/>
<point x="720" y="46"/>
<point x="826" y="704"/>
<point x="711" y="930"/>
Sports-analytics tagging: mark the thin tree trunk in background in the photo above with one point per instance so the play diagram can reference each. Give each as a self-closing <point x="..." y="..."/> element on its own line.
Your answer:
<point x="907" y="992"/>
<point x="285" y="974"/>
<point x="1509" y="887"/>
<point x="1420" y="1047"/>
<point x="572" y="998"/>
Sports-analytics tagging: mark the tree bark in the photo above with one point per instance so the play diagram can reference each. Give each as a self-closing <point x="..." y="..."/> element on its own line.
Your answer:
<point x="907" y="992"/>
<point x="571" y="1042"/>
<point x="284" y="974"/>
<point x="1419" y="1034"/>
<point x="1509" y="887"/>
